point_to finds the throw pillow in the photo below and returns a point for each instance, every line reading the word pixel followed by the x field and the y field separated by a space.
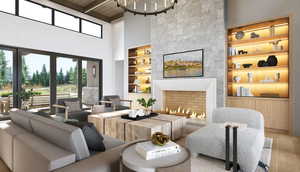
pixel 73 106
pixel 116 101
pixel 98 109
pixel 94 140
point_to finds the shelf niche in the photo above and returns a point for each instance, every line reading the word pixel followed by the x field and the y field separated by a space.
pixel 139 69
pixel 258 42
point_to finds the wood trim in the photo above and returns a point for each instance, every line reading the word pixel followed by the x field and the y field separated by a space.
pixel 93 5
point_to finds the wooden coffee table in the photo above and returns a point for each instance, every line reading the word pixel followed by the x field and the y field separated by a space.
pixel 144 129
pixel 115 127
pixel 177 124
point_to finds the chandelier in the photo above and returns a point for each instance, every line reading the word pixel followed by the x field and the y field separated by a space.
pixel 146 7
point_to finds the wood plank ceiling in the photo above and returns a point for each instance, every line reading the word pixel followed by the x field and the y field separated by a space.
pixel 106 10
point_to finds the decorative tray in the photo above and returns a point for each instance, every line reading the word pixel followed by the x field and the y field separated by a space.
pixel 139 117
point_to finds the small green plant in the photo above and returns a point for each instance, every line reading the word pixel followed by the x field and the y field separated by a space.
pixel 146 104
pixel 26 95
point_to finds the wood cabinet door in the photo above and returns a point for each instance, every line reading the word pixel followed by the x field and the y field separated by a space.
pixel 280 114
pixel 265 107
pixel 241 103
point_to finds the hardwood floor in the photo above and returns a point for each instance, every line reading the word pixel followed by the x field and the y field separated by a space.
pixel 285 154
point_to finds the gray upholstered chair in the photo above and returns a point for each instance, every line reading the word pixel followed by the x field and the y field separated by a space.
pixel 63 110
pixel 113 102
pixel 210 140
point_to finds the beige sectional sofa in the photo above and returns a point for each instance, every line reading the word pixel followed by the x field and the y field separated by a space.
pixel 37 144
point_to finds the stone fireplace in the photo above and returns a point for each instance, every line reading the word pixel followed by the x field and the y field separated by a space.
pixel 194 98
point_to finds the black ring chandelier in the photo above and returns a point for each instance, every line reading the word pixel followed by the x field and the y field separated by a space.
pixel 146 7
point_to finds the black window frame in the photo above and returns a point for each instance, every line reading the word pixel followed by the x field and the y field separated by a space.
pixel 17 9
pixel 17 83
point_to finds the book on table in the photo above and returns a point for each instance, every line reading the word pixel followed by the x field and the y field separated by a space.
pixel 148 151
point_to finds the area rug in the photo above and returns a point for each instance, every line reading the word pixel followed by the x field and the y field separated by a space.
pixel 207 164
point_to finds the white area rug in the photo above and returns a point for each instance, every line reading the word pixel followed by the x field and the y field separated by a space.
pixel 206 164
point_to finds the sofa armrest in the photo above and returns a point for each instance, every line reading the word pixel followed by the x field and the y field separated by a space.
pixel 34 154
pixel 108 161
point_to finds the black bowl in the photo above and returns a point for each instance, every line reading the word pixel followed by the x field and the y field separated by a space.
pixel 247 65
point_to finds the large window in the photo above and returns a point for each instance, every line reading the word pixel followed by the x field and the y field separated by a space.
pixel 39 12
pixel 66 21
pixel 66 77
pixel 6 75
pixel 8 6
pixel 91 28
pixel 35 11
pixel 35 77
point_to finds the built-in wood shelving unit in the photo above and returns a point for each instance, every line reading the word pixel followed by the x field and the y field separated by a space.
pixel 257 43
pixel 139 69
pixel 265 88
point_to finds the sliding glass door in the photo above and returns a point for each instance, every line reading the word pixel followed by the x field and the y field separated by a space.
pixel 66 77
pixel 7 57
pixel 35 79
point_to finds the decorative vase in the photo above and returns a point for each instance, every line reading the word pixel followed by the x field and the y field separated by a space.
pixel 25 105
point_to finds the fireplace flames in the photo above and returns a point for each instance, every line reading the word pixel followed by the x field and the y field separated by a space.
pixel 184 112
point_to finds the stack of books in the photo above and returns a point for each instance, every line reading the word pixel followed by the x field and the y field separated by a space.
pixel 149 151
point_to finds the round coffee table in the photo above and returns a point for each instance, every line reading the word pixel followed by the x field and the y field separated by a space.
pixel 132 161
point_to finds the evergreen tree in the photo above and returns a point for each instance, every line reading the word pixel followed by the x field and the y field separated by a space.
pixel 72 76
pixel 60 77
pixel 44 76
pixel 3 70
pixel 67 78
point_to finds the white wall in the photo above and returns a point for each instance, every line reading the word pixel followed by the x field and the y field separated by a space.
pixel 242 12
pixel 20 32
pixel 137 33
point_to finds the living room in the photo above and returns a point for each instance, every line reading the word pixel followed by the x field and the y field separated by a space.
pixel 100 85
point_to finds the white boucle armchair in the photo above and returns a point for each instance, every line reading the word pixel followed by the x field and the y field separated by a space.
pixel 210 140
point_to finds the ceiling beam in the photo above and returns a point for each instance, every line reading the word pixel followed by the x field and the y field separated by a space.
pixel 81 9
pixel 116 16
pixel 93 5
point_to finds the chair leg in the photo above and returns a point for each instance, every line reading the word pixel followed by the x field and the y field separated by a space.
pixel 235 156
pixel 227 148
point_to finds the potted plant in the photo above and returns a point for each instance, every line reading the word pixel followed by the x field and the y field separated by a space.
pixel 25 96
pixel 147 104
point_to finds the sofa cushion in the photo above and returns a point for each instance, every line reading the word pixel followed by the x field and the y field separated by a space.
pixel 74 106
pixel 93 139
pixel 22 119
pixel 111 142
pixel 32 153
pixel 63 135
pixel 62 102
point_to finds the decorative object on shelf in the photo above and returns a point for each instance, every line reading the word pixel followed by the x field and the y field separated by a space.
pixel 146 7
pixel 262 63
pixel 237 65
pixel 184 64
pixel 147 104
pixel 242 52
pixel 242 91
pixel 276 46
pixel 160 139
pixel 272 60
pixel 247 65
pixel 232 51
pixel 254 35
pixel 277 76
pixel 250 77
pixel 267 80
pixel 237 79
pixel 239 35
